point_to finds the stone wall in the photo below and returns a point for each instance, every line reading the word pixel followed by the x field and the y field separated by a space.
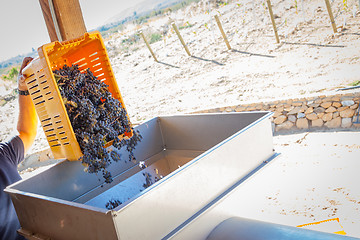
pixel 322 111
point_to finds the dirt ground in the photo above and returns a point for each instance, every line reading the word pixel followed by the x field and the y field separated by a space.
pixel 309 60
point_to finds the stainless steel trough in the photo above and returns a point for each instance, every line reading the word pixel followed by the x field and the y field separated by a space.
pixel 191 159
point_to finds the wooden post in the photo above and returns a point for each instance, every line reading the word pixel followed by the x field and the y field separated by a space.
pixel 63 18
pixel 148 45
pixel 181 39
pixel 222 31
pixel 273 21
pixel 328 6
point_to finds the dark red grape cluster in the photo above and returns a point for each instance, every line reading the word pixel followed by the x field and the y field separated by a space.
pixel 111 204
pixel 96 118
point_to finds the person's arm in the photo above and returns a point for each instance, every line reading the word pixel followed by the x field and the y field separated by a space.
pixel 27 121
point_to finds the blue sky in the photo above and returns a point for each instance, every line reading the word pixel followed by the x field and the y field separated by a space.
pixel 22 25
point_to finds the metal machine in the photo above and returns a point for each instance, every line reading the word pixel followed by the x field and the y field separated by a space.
pixel 190 165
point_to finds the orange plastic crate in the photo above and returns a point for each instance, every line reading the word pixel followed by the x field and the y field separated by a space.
pixel 87 52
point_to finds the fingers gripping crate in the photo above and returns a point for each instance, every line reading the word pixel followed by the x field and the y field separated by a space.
pixel 87 52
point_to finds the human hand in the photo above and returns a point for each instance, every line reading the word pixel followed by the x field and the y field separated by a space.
pixel 21 78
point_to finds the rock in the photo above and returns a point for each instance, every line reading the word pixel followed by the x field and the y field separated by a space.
pixel 280 119
pixel 276 114
pixel 347 103
pixel 320 115
pixel 309 110
pixel 336 104
pixel 295 110
pixel 279 105
pixel 297 104
pixel 336 114
pixel 240 108
pixel 288 108
pixel 342 108
pixel 300 115
pixel 311 116
pixel 284 126
pixel 266 107
pixel 325 104
pixel 318 101
pixel 347 113
pixel 302 123
pixel 336 99
pixel 319 110
pixel 327 117
pixel 303 108
pixel 250 108
pixel 346 122
pixel 314 105
pixel 334 123
pixel 292 118
pixel 317 123
pixel 330 110
pixel 355 106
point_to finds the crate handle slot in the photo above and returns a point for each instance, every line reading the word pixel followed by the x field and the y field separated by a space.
pixel 80 60
pixel 93 60
pixel 33 87
pixel 32 80
pixel 37 91
pixel 49 130
pixel 37 97
pixel 40 102
pixel 93 54
pixel 83 65
pixel 49 124
pixel 47 119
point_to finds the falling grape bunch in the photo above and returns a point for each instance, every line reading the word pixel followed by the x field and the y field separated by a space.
pixel 111 204
pixel 96 118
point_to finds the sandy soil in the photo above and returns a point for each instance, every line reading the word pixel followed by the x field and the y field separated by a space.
pixel 310 59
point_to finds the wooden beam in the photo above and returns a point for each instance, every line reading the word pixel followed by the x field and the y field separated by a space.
pixel 181 39
pixel 332 20
pixel 222 31
pixel 148 45
pixel 63 18
pixel 48 20
pixel 273 21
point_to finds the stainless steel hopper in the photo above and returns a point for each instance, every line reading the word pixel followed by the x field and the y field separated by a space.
pixel 191 160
